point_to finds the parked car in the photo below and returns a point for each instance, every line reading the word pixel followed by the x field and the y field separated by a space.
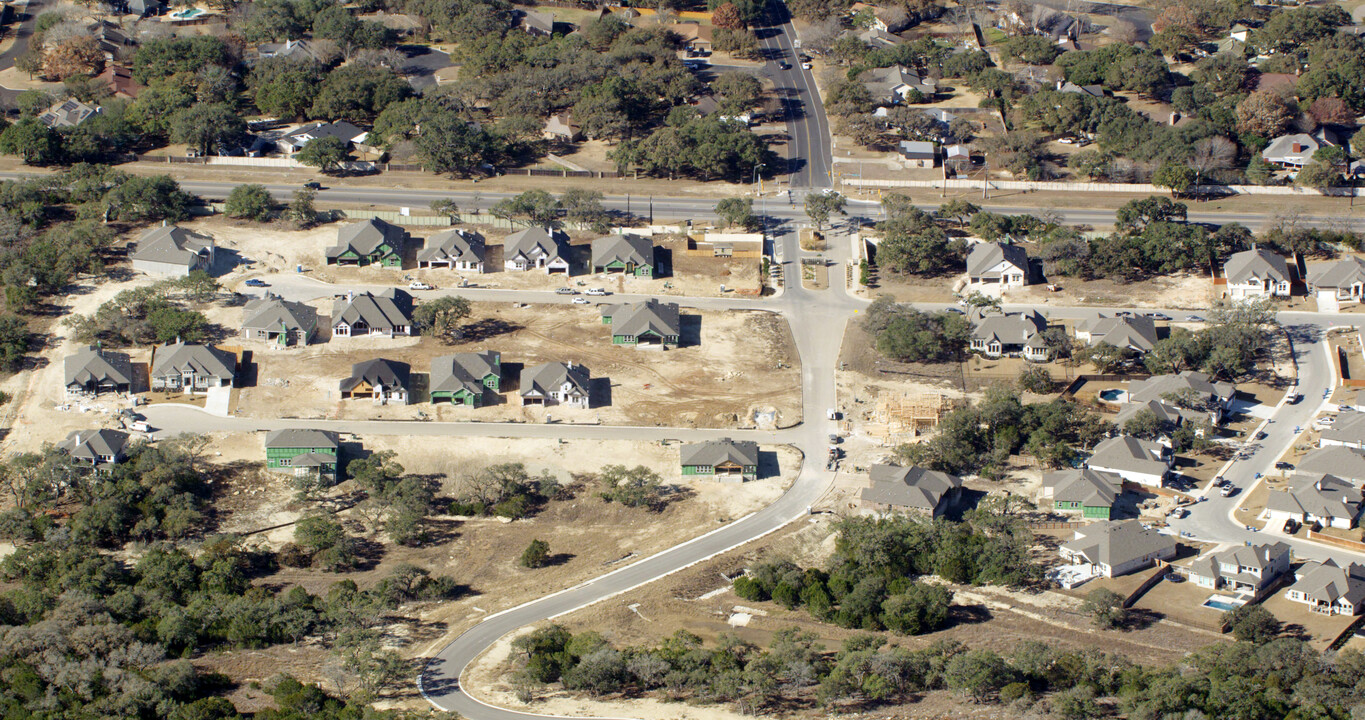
pixel 566 291
pixel 1259 436
pixel 1180 513
pixel 1158 316
pixel 1228 490
pixel 598 291
pixel 1295 398
pixel 1220 481
pixel 581 301
pixel 314 185
pixel 417 285
pixel 1284 466
pixel 257 282
pixel 1194 319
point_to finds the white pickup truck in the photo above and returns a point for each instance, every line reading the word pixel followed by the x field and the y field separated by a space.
pixel 419 285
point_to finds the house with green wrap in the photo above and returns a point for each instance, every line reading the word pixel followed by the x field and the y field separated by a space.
pixel 629 254
pixel 466 378
pixel 303 453
pixel 650 324
pixel 1091 493
pixel 725 460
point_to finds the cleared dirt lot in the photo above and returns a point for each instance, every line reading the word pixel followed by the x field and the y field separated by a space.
pixel 732 364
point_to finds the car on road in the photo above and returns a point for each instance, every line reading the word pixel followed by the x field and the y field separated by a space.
pixel 835 439
pixel 1220 481
pixel 581 301
pixel 805 66
pixel 1259 436
pixel 784 65
pixel 257 282
pixel 1158 316
pixel 1125 314
pixel 566 291
pixel 1228 490
pixel 314 185
pixel 1284 466
pixel 1193 318
pixel 418 285
pixel 955 311
pixel 1294 399
pixel 1180 513
pixel 598 291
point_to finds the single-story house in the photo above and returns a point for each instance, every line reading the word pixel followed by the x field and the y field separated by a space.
pixel 143 8
pixel 93 370
pixel 913 489
pixel 171 250
pixel 918 153
pixel 880 38
pixel 383 381
pixel 724 459
pixel 68 113
pixel 1257 273
pixel 626 253
pixel 535 247
pixel 1348 430
pixel 997 263
pixel 561 126
pixel 1140 461
pixel 1114 548
pixel 1135 333
pixel 1216 397
pixel 1295 150
pixel 369 242
pixel 1329 588
pixel 556 384
pixel 192 368
pixel 303 453
pixel 1092 493
pixel 453 249
pixel 887 19
pixel 1337 283
pixel 1343 461
pixel 696 37
pixel 998 334
pixel 892 85
pixel 538 23
pixel 299 49
pixel 1315 498
pixel 95 447
pixel 650 323
pixel 278 321
pixel 466 378
pixel 295 140
pixel 1096 91
pixel 388 313
pixel 1170 416
pixel 1243 568
pixel 120 82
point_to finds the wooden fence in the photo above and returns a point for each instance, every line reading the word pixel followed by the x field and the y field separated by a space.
pixel 1338 542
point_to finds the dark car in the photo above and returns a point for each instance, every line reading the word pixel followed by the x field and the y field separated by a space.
pixel 1284 466
pixel 315 185
pixel 255 282
pixel 784 65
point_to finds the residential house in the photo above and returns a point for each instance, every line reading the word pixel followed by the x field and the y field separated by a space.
pixel 894 85
pixel 724 459
pixel 886 19
pixel 1345 462
pixel 279 322
pixel 1090 493
pixel 1140 461
pixel 304 453
pixel 1315 498
pixel 192 368
pixel 453 249
pixel 998 264
pixel 1135 333
pixel 627 253
pixel 1244 568
pixel 1348 431
pixel 171 250
pixel 295 140
pixel 95 448
pixel 536 247
pixel 1295 150
pixel 143 8
pixel 650 323
pixel 1169 416
pixel 369 242
pixel 561 126
pixel 556 384
pixel 68 113
pixel 1257 273
pixel 93 370
pixel 466 378
pixel 1190 388
pixel 880 38
pixel 296 49
pixel 913 489
pixel 380 380
pixel 1337 283
pixel 697 38
pixel 538 23
pixel 918 153
pixel 1067 86
pixel 120 82
pixel 1117 547
pixel 957 158
pixel 998 334
pixel 1329 588
pixel 388 313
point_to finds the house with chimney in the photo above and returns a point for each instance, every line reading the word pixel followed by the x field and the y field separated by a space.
pixel 388 313
pixel 93 371
pixel 556 383
pixel 96 448
pixel 1329 588
pixel 1315 499
pixel 453 249
pixel 192 368
pixel 996 333
pixel 536 247
pixel 1245 569
pixel 1256 274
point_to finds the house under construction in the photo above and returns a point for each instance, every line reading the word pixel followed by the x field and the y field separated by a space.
pixel 898 417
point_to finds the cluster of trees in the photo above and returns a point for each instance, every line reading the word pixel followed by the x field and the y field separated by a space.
pixel 914 241
pixel 903 333
pixel 691 145
pixel 155 313
pixel 981 438
pixel 538 207
pixel 1227 347
pixel 505 490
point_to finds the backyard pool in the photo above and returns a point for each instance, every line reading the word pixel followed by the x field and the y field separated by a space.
pixel 1112 394
pixel 1224 603
pixel 187 14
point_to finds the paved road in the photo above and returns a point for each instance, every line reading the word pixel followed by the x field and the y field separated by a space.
pixel 810 144
pixel 27 17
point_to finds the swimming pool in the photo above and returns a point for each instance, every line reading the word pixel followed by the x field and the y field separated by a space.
pixel 1224 603
pixel 187 13
pixel 1112 394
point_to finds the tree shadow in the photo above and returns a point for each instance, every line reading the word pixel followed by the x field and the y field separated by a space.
pixel 960 615
pixel 1140 619
pixel 558 559
pixel 486 328
pixel 368 552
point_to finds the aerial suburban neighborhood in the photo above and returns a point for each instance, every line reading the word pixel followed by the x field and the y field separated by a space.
pixel 790 358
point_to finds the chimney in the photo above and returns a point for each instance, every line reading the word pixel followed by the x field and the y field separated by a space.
pixel 78 438
pixel 1175 118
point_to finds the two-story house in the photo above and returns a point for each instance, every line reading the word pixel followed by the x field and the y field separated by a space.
pixel 556 384
pixel 304 453
pixel 1244 568
pixel 998 264
pixel 999 334
pixel 382 381
pixel 466 378
pixel 536 247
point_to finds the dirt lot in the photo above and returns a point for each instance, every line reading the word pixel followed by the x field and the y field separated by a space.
pixel 699 600
pixel 587 536
pixel 732 364
pixel 1185 292
pixel 275 250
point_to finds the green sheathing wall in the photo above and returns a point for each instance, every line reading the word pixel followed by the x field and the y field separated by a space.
pixel 1095 512
pixel 273 456
pixel 494 382
pixel 750 471
pixel 644 271
pixel 458 397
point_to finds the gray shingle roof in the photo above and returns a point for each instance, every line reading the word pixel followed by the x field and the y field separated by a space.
pixel 1257 263
pixel 342 130
pixel 1318 494
pixel 378 371
pixel 201 360
pixel 912 487
pixel 1137 333
pixel 450 373
pixel 1341 274
pixel 985 256
pixel 1344 462
pixel 524 243
pixel 639 318
pixel 302 438
pixel 629 248
pixel 386 310
pixel 274 314
pixel 1327 582
pixel 1260 556
pixel 1165 413
pixel 1117 542
pixel 540 380
pixel 455 245
pixel 1009 329
pixel 91 445
pixel 715 452
pixel 169 244
pixel 1091 488
pixel 366 236
pixel 1153 388
pixel 1126 453
pixel 883 82
pixel 91 365
pixel 1348 428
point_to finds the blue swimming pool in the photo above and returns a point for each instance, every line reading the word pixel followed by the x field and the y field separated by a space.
pixel 1112 394
pixel 1218 602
